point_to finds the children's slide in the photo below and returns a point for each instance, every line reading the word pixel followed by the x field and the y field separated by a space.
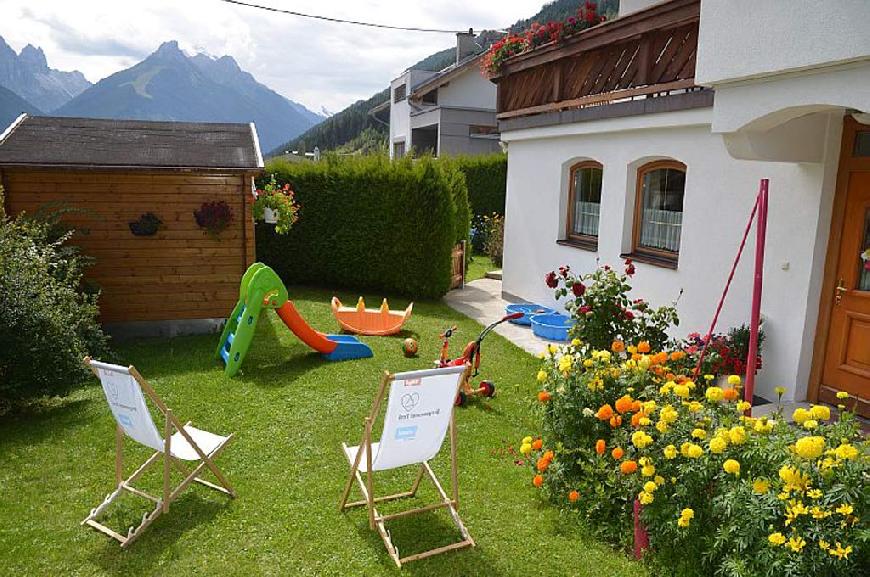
pixel 262 288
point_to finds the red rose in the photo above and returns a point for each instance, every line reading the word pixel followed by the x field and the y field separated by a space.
pixel 585 309
pixel 552 282
pixel 629 315
pixel 578 288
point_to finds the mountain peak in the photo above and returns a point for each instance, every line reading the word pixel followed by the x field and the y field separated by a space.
pixel 33 57
pixel 170 49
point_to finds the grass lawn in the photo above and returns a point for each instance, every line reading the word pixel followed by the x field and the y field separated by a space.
pixel 478 267
pixel 290 410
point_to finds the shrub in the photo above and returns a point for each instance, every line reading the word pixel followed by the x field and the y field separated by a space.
pixel 493 245
pixel 486 177
pixel 370 224
pixel 722 493
pixel 47 323
pixel 604 313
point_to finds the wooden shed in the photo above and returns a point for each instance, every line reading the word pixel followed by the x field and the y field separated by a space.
pixel 115 171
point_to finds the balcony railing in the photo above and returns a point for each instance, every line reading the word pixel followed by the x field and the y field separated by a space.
pixel 649 52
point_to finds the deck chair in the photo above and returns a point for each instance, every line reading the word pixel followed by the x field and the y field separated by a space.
pixel 419 414
pixel 123 387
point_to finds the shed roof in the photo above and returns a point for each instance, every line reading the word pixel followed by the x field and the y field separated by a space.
pixel 52 141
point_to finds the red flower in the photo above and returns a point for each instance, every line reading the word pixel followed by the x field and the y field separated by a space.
pixel 551 279
pixel 578 288
pixel 585 309
pixel 629 315
pixel 629 267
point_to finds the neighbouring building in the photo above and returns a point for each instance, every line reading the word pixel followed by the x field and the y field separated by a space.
pixel 648 140
pixel 443 113
pixel 113 173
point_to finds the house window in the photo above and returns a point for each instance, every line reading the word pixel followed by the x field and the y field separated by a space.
pixel 584 202
pixel 430 97
pixel 482 130
pixel 659 211
pixel 399 93
pixel 399 149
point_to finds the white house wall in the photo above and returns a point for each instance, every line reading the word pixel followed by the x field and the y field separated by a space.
pixel 720 191
pixel 740 39
pixel 469 90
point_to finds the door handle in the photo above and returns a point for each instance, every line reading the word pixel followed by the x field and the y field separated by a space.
pixel 838 292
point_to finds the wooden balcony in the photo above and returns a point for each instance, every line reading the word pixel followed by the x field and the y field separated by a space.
pixel 650 52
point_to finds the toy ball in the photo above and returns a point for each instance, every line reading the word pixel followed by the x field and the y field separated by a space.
pixel 409 347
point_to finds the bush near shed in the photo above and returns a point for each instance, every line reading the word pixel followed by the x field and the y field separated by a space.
pixel 370 224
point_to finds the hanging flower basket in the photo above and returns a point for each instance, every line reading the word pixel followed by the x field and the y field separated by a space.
pixel 147 225
pixel 276 205
pixel 214 217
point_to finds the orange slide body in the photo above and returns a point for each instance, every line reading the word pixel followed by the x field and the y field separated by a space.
pixel 294 321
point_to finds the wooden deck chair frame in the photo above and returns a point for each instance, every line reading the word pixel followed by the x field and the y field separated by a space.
pixel 169 493
pixel 378 521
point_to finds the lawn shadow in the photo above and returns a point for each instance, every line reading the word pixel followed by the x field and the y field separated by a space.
pixel 429 529
pixel 37 422
pixel 187 513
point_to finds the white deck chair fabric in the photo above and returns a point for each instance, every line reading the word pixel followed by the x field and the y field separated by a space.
pixel 128 406
pixel 416 421
pixel 127 403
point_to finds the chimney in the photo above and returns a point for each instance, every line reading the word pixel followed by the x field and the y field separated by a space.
pixel 465 45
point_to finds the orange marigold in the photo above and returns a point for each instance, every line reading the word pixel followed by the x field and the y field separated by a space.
pixel 617 346
pixel 537 444
pixel 643 347
pixel 624 404
pixel 660 358
pixel 730 394
pixel 615 421
pixel 678 355
pixel 538 481
pixel 617 453
pixel 600 446
pixel 573 496
pixel 548 455
pixel 604 413
pixel 544 396
pixel 635 418
pixel 627 467
pixel 542 464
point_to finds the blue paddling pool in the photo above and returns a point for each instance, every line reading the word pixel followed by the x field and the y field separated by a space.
pixel 528 309
pixel 552 326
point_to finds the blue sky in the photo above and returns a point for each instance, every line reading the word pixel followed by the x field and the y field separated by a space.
pixel 312 62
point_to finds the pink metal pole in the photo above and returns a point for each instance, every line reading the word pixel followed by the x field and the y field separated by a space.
pixel 761 236
pixel 641 537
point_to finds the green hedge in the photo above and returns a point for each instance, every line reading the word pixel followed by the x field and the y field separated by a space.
pixel 370 224
pixel 486 176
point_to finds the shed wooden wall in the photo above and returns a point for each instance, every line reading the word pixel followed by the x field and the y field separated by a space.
pixel 179 273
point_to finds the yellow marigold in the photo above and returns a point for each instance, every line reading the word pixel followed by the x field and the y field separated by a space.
pixel 670 452
pixel 845 509
pixel 714 394
pixel 669 414
pixel 780 391
pixel 840 552
pixel 565 362
pixel 734 380
pixel 718 445
pixel 846 451
pixel 694 406
pixel 763 425
pixel 645 498
pixel 760 486
pixel 553 349
pixel 659 480
pixel 576 342
pixel 796 543
pixel 824 545
pixel 588 363
pixel 542 376
pixel 794 480
pixel 650 487
pixel 527 439
pixel 682 391
pixel 526 448
pixel 811 424
pixel 820 412
pixel 737 435
pixel 800 415
pixel 640 439
pixel 814 493
pixel 687 513
pixel 661 426
pixel 776 539
pixel 810 447
pixel 699 434
pixel 648 470
pixel 842 395
pixel 743 406
pixel 731 467
pixel 819 513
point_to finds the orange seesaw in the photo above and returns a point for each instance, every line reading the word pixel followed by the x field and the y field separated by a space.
pixel 374 322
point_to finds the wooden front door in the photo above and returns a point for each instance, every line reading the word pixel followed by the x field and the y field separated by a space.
pixel 847 353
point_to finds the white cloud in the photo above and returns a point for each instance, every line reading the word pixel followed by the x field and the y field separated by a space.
pixel 313 62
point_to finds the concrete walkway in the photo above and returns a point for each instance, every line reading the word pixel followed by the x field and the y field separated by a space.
pixel 481 300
